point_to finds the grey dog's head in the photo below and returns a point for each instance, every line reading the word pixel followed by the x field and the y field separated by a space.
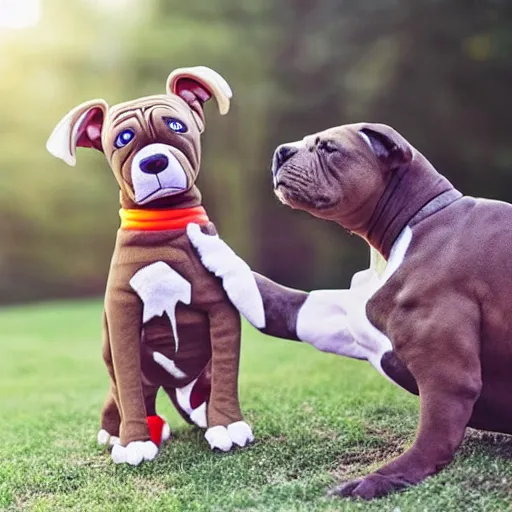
pixel 340 173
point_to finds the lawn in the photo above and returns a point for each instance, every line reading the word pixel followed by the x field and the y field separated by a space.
pixel 318 419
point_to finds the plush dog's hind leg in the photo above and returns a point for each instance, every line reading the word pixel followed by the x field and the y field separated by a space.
pixel 191 401
pixel 110 416
pixel 110 421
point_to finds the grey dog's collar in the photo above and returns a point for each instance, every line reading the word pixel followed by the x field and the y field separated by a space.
pixel 438 203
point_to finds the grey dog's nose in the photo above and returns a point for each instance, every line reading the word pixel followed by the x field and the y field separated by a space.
pixel 154 164
pixel 281 155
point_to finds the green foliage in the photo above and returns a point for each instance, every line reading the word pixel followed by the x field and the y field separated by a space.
pixel 318 419
pixel 437 70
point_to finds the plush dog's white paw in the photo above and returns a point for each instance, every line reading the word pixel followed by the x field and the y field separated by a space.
pixel 223 438
pixel 198 416
pixel 240 433
pixel 134 453
pixel 105 439
pixel 166 432
pixel 218 438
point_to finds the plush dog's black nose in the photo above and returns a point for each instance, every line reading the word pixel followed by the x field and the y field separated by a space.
pixel 154 164
pixel 281 155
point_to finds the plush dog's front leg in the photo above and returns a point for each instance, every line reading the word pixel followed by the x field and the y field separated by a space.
pixel 225 423
pixel 124 314
pixel 108 434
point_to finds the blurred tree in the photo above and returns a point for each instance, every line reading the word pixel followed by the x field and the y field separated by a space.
pixel 437 70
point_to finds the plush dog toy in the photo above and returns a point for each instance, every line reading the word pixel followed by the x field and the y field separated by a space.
pixel 168 322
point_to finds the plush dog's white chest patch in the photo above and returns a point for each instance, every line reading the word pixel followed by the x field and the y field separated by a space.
pixel 160 288
pixel 336 320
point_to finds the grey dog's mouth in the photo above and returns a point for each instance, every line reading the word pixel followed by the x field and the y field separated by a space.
pixel 289 195
pixel 278 184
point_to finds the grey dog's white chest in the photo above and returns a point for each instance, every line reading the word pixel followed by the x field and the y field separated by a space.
pixel 336 321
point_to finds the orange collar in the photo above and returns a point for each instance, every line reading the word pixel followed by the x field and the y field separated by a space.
pixel 162 220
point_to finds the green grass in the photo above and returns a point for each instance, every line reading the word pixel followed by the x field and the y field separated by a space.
pixel 318 419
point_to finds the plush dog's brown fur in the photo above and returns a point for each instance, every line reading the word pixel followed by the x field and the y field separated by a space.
pixel 138 334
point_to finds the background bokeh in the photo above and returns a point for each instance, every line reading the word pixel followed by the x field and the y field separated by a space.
pixel 440 71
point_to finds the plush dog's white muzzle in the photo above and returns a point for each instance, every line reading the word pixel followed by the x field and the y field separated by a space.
pixel 156 173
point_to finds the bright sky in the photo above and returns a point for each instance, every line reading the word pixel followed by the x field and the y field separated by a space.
pixel 113 5
pixel 17 14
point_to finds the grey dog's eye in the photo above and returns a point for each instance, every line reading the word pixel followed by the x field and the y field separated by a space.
pixel 328 146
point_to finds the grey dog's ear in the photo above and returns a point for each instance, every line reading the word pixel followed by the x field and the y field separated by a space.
pixel 387 144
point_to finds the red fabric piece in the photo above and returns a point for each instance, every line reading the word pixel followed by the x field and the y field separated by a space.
pixel 156 425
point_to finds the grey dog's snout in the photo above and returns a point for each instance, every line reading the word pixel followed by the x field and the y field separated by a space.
pixel 154 164
pixel 281 155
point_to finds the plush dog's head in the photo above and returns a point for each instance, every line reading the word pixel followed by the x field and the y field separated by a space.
pixel 153 143
pixel 340 173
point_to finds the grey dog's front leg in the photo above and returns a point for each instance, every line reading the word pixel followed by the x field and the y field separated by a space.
pixel 319 318
pixel 281 306
pixel 270 307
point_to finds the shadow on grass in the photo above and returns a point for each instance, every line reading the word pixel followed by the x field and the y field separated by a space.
pixel 488 443
pixel 382 445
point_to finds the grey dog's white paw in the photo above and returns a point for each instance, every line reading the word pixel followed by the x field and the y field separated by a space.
pixel 224 438
pixel 105 439
pixel 237 277
pixel 134 453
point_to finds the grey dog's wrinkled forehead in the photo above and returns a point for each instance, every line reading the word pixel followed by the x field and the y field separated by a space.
pixel 349 132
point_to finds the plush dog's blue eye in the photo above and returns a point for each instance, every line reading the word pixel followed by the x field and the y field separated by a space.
pixel 124 138
pixel 176 125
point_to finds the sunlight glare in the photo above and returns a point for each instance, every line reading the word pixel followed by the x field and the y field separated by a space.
pixel 17 14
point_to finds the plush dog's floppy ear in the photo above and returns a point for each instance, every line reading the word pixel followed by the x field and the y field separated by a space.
pixel 387 144
pixel 197 85
pixel 80 127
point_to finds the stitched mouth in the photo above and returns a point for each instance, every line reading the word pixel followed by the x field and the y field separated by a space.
pixel 171 180
pixel 159 193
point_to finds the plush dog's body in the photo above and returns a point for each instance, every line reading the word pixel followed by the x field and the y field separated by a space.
pixel 148 273
pixel 168 323
pixel 434 319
